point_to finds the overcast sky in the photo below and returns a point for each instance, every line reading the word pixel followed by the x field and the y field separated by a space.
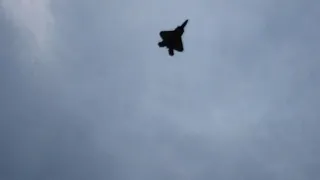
pixel 86 93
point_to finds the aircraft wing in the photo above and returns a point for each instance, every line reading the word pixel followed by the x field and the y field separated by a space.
pixel 175 41
pixel 166 34
pixel 178 45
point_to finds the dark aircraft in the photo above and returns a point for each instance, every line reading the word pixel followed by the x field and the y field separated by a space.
pixel 173 39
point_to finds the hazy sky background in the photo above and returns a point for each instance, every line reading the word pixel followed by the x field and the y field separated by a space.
pixel 85 92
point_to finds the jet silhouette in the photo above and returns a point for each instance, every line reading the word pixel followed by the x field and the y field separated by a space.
pixel 173 39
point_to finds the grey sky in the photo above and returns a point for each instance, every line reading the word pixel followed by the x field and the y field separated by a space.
pixel 85 92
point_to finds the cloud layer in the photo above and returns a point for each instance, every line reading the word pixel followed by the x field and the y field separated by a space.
pixel 240 103
pixel 36 18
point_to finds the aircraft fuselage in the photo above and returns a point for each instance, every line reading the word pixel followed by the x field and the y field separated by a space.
pixel 173 39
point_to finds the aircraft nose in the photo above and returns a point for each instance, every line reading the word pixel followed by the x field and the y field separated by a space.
pixel 185 23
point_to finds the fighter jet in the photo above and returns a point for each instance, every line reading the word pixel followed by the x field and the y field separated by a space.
pixel 173 39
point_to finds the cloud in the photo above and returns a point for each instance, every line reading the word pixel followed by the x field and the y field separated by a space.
pixel 35 19
pixel 240 103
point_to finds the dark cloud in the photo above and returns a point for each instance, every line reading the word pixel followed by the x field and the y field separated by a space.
pixel 39 138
